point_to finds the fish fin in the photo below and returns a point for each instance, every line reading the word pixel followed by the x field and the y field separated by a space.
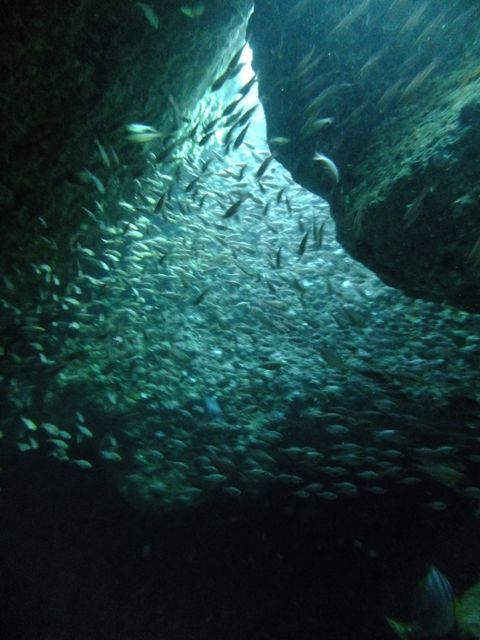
pixel 402 629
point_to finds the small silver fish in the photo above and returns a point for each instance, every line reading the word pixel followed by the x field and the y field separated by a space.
pixel 201 296
pixel 303 245
pixel 149 14
pixel 264 166
pixel 212 407
pixel 232 210
pixel 102 152
pixel 193 10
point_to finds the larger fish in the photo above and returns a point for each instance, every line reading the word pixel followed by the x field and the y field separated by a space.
pixel 433 610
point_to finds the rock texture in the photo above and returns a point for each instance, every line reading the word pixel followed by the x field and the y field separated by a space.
pixel 388 92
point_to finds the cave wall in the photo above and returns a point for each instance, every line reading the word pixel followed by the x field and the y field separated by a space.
pixel 385 93
pixel 73 75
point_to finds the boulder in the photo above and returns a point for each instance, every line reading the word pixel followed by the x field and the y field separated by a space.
pixel 375 106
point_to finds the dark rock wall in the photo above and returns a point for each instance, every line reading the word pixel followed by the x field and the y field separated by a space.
pixel 388 92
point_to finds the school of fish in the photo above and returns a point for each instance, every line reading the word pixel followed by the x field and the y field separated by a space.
pixel 216 339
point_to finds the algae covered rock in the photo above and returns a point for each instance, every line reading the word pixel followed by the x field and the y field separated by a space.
pixel 387 92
